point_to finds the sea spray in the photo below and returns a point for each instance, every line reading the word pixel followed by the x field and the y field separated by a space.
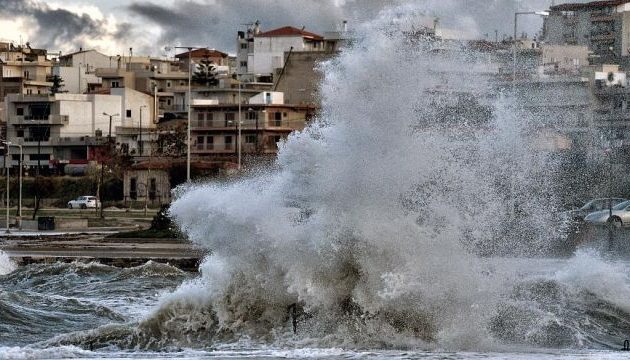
pixel 364 220
pixel 7 265
pixel 374 220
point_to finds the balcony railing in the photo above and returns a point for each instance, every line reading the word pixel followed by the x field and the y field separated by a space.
pixel 245 124
pixel 217 148
pixel 42 120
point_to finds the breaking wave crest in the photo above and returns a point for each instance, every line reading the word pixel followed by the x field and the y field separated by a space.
pixel 369 232
pixel 6 264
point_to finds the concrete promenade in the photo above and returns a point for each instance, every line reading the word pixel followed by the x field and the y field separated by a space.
pixel 28 247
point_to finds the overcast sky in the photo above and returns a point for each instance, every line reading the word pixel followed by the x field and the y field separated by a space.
pixel 148 26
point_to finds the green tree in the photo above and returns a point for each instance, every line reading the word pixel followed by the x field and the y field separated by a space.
pixel 57 84
pixel 205 73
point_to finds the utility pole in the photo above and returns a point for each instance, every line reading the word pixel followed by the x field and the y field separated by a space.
pixel 190 49
pixel 109 151
pixel 8 152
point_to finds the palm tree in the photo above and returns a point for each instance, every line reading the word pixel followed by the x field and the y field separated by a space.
pixel 205 74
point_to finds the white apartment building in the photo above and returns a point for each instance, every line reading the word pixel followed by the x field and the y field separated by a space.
pixel 64 132
pixel 261 53
pixel 78 69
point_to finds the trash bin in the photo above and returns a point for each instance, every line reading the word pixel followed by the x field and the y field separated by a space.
pixel 46 223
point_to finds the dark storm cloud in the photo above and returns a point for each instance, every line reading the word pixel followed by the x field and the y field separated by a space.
pixel 56 27
pixel 214 23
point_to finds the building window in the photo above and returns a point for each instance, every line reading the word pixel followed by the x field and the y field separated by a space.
pixel 200 140
pixel 277 119
pixel 200 117
pixel 244 46
pixel 229 119
pixel 40 157
pixel 251 115
pixel 115 84
pixel 210 142
pixel 19 111
pixel 228 142
pixel 250 139
pixel 152 189
pixel 133 188
pixel 243 63
pixel 168 84
pixel 128 113
pixel 20 133
pixel 275 140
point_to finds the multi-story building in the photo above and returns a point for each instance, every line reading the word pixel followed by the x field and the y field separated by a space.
pixel 62 133
pixel 24 70
pixel 260 54
pixel 602 26
pixel 78 69
pixel 265 121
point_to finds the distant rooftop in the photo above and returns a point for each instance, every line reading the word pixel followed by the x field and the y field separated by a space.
pixel 290 31
pixel 202 53
pixel 589 5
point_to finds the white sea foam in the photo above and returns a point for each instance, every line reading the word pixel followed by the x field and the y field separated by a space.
pixel 372 217
pixel 7 265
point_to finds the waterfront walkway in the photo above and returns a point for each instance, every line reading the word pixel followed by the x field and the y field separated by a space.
pixel 47 247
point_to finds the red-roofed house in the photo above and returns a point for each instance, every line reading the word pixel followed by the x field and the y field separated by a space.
pixel 263 52
pixel 217 57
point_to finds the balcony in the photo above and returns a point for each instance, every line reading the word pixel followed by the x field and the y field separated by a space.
pixel 214 148
pixel 201 125
pixel 26 120
pixel 605 36
pixel 601 17
pixel 110 73
pixel 610 90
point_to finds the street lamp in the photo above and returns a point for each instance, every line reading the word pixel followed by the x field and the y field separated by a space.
pixel 240 120
pixel 8 156
pixel 190 49
pixel 140 147
pixel 19 216
pixel 516 14
pixel 109 145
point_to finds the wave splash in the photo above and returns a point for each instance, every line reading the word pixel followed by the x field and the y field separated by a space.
pixel 368 233
pixel 7 265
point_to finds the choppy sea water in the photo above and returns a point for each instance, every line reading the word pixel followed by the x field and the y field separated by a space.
pixel 78 310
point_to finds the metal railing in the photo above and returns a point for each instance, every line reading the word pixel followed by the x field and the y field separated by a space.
pixel 36 120
pixel 246 124
pixel 215 147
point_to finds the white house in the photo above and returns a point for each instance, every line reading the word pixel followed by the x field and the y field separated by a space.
pixel 269 48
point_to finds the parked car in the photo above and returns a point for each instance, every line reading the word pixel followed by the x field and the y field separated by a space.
pixel 620 215
pixel 592 206
pixel 84 202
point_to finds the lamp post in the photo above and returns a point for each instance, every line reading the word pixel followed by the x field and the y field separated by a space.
pixel 109 148
pixel 140 145
pixel 8 157
pixel 240 120
pixel 190 49
pixel 19 215
pixel 516 14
